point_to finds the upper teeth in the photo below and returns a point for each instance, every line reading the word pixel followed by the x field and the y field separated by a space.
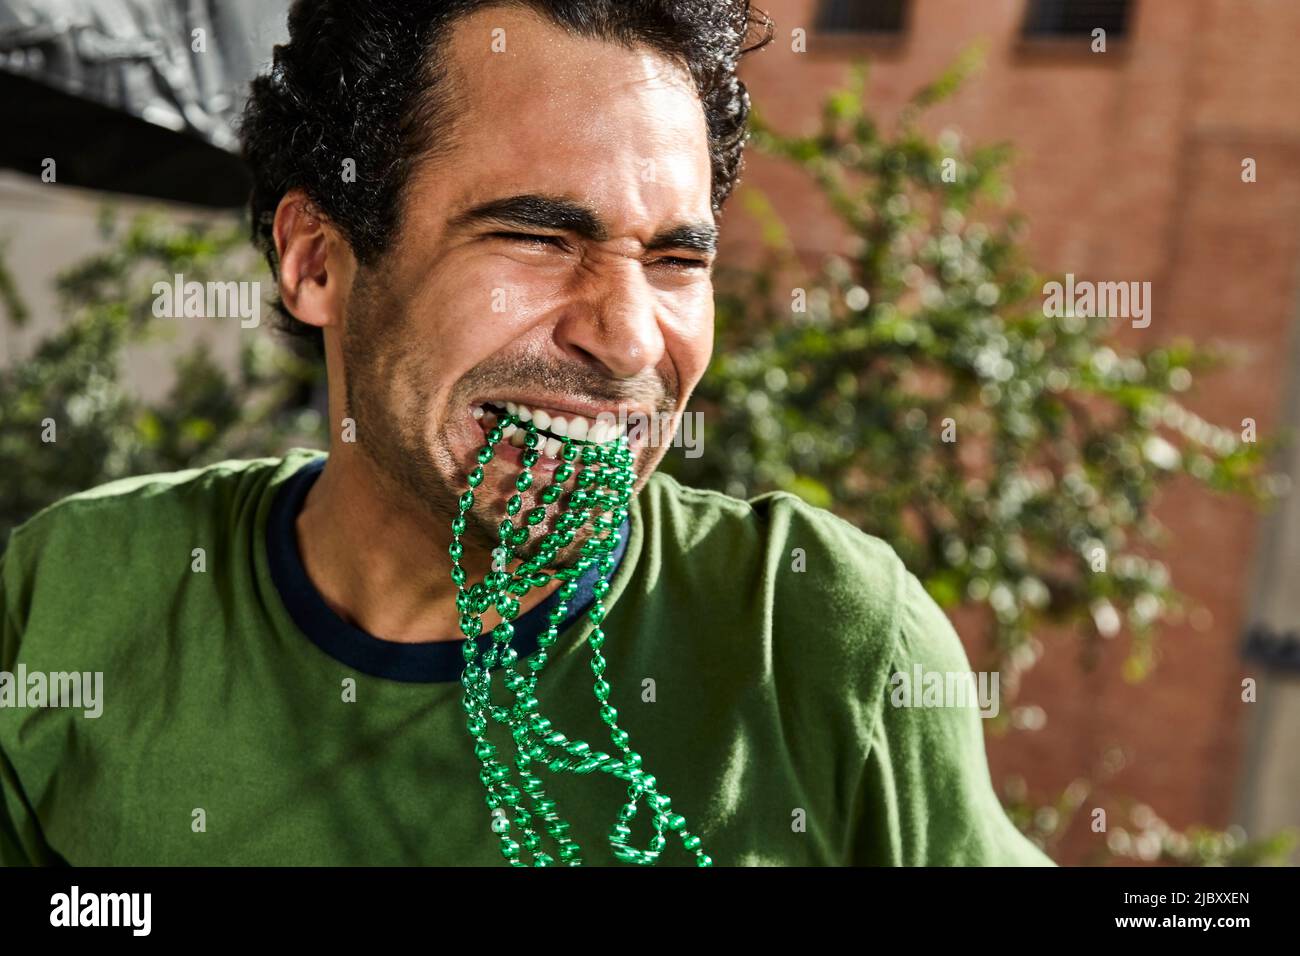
pixel 572 426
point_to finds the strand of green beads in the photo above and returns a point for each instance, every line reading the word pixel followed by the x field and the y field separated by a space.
pixel 603 545
pixel 471 605
pixel 524 714
pixel 644 784
pixel 568 849
pixel 613 470
pixel 518 684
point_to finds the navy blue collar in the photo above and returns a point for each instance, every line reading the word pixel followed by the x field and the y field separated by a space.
pixel 412 663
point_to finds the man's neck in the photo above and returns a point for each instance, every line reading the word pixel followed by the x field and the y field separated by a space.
pixel 380 562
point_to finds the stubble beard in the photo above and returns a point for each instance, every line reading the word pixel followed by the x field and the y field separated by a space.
pixel 381 371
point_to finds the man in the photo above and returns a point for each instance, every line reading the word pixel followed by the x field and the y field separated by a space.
pixel 483 210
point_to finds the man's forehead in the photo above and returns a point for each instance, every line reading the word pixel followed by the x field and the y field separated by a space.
pixel 515 46
pixel 551 110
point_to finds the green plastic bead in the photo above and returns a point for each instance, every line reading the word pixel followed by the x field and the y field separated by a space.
pixel 596 507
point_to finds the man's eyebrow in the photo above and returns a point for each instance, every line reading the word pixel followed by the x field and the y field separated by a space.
pixel 532 211
pixel 535 212
pixel 702 237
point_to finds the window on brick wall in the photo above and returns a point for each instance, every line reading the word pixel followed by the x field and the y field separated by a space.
pixel 1046 18
pixel 861 16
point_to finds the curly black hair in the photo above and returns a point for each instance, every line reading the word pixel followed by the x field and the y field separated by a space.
pixel 366 81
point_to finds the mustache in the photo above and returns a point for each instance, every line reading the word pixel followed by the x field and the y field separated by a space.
pixel 569 378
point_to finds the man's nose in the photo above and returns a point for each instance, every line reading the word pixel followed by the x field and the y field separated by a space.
pixel 615 325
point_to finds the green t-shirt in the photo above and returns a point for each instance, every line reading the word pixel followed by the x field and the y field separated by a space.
pixel 241 722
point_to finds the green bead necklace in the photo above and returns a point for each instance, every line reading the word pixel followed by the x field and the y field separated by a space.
pixel 603 488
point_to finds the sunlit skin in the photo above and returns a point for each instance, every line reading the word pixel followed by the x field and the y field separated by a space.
pixel 604 274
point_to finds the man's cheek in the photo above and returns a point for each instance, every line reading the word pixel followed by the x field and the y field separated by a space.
pixel 690 334
pixel 502 292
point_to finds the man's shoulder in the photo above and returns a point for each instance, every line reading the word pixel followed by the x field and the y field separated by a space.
pixel 826 580
pixel 143 504
pixel 133 525
pixel 809 547
pixel 820 574
pixel 779 511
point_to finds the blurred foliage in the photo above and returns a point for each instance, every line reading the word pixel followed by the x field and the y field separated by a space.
pixel 914 385
pixel 75 378
pixel 834 379
pixel 14 307
pixel 1133 832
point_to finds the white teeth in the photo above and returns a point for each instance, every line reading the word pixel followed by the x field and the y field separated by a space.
pixel 517 438
pixel 509 430
pixel 578 428
pixel 553 446
pixel 478 411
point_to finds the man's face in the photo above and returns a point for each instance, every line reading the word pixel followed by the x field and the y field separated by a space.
pixel 558 257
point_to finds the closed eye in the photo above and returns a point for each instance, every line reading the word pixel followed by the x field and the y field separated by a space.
pixel 557 242
pixel 680 262
pixel 530 238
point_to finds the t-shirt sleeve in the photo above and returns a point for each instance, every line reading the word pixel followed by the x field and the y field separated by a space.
pixel 927 793
pixel 20 840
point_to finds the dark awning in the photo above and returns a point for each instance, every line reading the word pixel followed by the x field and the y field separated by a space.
pixel 133 96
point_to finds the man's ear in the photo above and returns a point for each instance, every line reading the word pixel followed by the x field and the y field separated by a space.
pixel 316 263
